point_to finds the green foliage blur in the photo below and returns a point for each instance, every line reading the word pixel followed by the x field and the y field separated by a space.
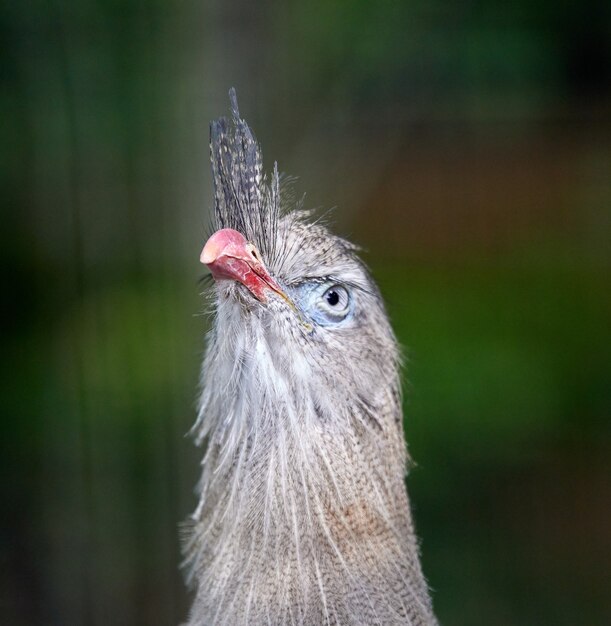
pixel 467 148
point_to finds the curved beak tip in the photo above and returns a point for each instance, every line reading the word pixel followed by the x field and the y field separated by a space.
pixel 223 241
pixel 209 253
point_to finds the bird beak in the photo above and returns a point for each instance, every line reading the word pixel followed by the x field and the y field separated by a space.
pixel 230 257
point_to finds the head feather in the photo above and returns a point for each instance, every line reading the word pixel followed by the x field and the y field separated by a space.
pixel 243 200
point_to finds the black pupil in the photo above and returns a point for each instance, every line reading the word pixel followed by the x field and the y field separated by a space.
pixel 332 297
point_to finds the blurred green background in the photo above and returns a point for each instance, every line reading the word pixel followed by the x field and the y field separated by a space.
pixel 467 148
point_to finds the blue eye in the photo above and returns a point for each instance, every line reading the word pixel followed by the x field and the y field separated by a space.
pixel 326 304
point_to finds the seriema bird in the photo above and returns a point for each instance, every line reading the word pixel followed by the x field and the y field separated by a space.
pixel 303 515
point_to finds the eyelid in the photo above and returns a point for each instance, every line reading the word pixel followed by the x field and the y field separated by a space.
pixel 315 280
pixel 331 280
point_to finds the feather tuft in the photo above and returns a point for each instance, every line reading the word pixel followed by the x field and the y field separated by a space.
pixel 244 200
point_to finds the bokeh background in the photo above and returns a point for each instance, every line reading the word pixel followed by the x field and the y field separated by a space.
pixel 467 148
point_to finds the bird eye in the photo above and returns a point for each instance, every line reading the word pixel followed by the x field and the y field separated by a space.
pixel 332 305
pixel 336 298
pixel 324 303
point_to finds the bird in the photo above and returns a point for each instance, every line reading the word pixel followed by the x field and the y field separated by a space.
pixel 303 515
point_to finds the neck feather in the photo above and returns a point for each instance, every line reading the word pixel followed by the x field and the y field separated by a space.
pixel 303 514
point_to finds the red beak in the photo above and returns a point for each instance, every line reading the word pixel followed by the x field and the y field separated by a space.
pixel 230 257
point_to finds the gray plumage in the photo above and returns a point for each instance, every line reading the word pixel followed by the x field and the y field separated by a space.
pixel 303 516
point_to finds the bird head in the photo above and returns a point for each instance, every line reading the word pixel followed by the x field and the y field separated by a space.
pixel 299 320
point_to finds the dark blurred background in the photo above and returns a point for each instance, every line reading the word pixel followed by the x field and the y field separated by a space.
pixel 467 148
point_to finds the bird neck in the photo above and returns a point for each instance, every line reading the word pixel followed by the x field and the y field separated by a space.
pixel 302 514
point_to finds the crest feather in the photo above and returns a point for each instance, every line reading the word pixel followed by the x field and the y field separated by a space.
pixel 243 200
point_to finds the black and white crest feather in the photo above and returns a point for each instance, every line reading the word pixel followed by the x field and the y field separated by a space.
pixel 243 199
